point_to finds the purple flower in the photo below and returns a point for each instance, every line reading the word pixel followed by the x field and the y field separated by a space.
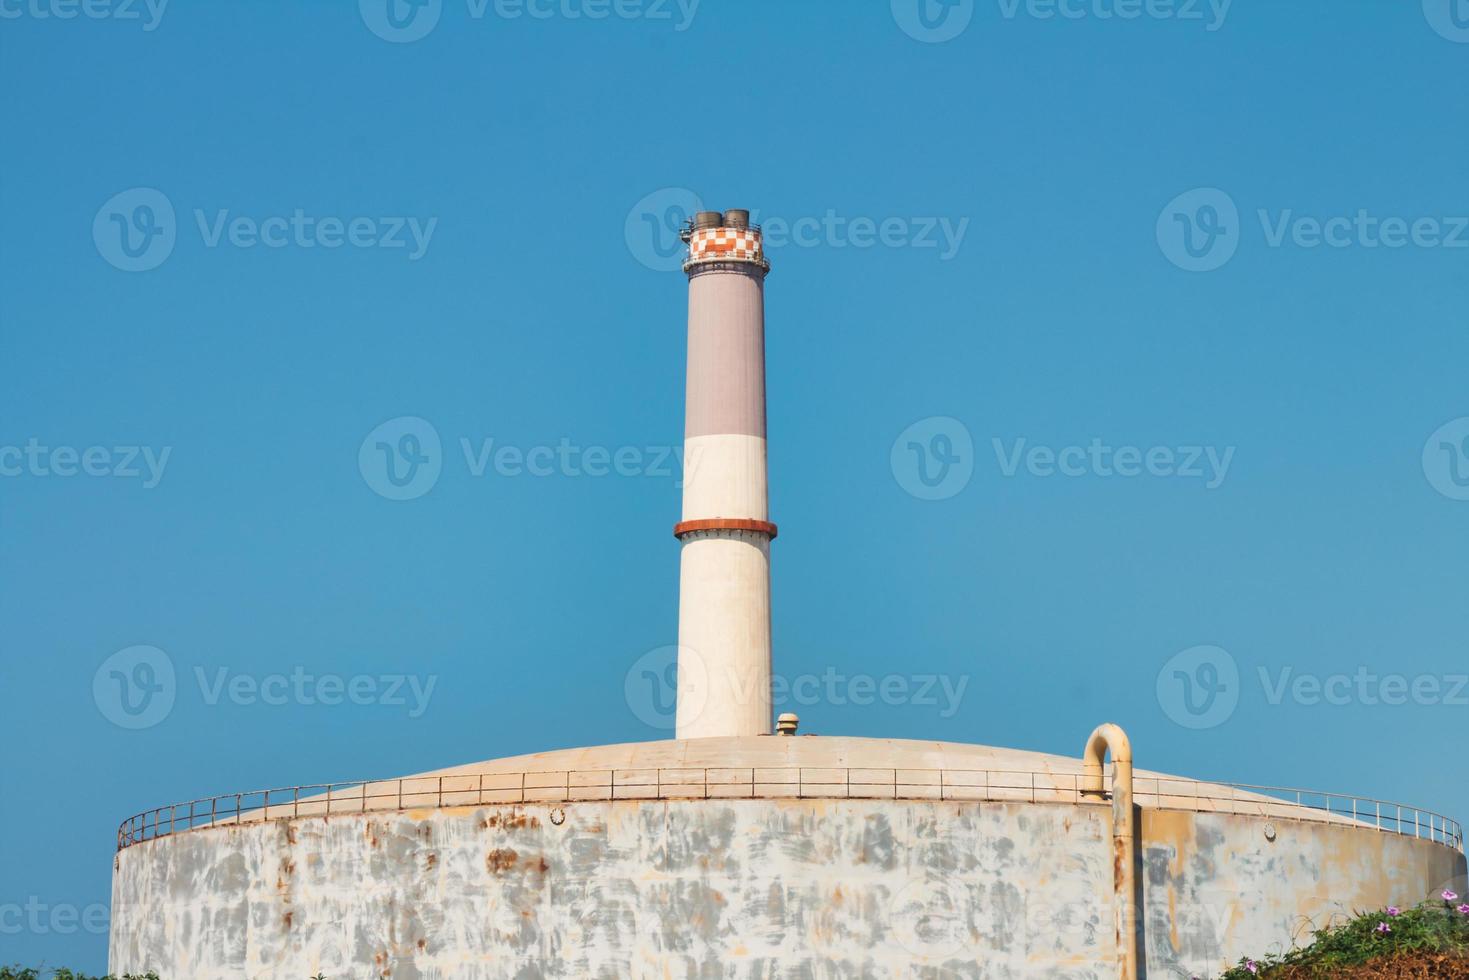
pixel 1449 896
pixel 1383 927
pixel 1252 966
pixel 1394 910
pixel 1464 909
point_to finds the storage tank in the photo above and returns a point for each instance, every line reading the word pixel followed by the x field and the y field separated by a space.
pixel 733 852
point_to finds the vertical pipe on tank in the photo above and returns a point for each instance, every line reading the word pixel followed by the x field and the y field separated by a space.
pixel 1124 834
pixel 724 577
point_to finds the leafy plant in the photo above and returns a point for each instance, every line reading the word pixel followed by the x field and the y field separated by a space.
pixel 1432 929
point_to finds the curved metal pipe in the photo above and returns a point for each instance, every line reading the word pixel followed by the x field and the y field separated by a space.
pixel 1111 738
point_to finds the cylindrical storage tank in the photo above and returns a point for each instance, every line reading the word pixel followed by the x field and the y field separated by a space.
pixel 748 858
pixel 737 218
pixel 705 220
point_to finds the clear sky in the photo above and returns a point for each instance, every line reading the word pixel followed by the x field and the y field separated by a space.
pixel 1016 257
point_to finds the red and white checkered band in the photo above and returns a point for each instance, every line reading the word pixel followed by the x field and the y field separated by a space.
pixel 714 244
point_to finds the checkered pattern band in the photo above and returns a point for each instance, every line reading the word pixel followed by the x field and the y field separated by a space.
pixel 725 244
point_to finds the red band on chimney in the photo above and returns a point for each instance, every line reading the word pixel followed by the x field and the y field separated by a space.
pixel 726 524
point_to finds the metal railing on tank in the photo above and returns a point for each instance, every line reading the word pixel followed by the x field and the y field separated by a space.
pixel 968 785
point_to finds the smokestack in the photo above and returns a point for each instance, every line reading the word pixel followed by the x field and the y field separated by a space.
pixel 724 576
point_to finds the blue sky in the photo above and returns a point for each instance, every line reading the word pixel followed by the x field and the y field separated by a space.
pixel 1219 247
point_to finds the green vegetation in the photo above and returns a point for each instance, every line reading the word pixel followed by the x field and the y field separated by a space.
pixel 1431 940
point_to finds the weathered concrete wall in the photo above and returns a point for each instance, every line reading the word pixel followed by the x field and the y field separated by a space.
pixel 747 889
pixel 1217 888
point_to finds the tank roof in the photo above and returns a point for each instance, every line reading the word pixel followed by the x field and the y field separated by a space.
pixel 779 767
pixel 777 751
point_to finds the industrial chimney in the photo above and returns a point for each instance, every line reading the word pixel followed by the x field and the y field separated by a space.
pixel 724 580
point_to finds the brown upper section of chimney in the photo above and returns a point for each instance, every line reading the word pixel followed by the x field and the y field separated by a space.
pixel 726 381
